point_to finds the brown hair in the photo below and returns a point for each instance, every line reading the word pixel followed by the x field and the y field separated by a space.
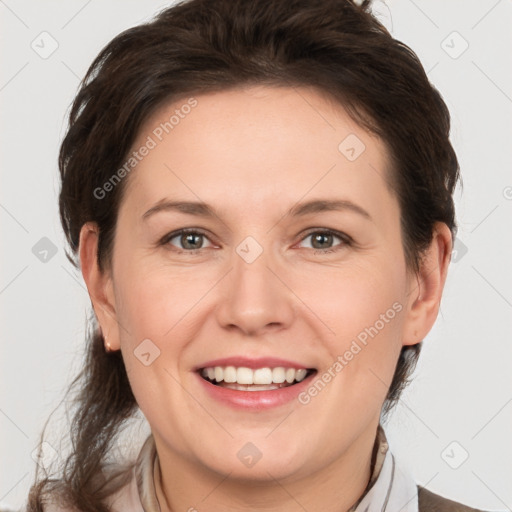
pixel 201 46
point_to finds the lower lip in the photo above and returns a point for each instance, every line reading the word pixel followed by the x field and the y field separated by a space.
pixel 255 400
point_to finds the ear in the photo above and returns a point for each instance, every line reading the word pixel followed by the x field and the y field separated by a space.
pixel 99 285
pixel 426 286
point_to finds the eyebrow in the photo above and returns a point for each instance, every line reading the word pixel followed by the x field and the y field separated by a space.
pixel 201 209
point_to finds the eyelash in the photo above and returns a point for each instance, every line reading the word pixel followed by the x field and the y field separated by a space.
pixel 346 240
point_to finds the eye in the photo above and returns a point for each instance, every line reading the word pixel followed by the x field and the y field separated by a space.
pixel 188 240
pixel 322 239
pixel 192 240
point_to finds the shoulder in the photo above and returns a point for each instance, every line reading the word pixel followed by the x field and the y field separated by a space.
pixel 430 502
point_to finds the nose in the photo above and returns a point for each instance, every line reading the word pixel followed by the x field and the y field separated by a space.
pixel 255 298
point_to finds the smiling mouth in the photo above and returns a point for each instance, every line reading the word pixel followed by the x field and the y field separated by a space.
pixel 259 379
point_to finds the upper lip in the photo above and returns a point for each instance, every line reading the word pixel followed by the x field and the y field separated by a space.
pixel 247 362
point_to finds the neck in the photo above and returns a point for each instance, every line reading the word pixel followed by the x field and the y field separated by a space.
pixel 335 487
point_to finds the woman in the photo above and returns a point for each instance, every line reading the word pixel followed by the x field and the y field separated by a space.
pixel 259 197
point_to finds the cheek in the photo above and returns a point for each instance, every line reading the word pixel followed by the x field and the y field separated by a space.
pixel 354 296
pixel 156 300
pixel 363 308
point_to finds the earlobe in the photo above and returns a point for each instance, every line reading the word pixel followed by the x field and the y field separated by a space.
pixel 99 285
pixel 426 289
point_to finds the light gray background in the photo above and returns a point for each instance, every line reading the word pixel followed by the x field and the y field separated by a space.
pixel 462 390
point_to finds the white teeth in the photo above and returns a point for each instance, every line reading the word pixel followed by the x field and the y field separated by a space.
pixel 300 374
pixel 278 375
pixel 230 374
pixel 260 376
pixel 243 375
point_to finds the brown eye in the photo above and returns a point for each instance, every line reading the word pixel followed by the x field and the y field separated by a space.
pixel 324 239
pixel 191 240
pixel 186 240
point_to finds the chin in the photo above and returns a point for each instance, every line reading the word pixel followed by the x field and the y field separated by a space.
pixel 258 461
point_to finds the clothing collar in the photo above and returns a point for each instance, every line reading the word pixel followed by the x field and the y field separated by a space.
pixel 390 488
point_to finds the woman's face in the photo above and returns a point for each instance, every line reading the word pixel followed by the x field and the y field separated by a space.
pixel 270 277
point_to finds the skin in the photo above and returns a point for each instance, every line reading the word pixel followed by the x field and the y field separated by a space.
pixel 252 154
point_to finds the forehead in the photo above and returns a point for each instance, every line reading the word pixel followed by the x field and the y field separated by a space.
pixel 256 144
